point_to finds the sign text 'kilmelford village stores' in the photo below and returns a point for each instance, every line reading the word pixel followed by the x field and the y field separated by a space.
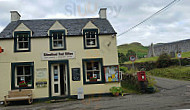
pixel 57 55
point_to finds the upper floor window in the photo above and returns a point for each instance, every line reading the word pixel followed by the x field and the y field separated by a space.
pixel 57 40
pixel 91 40
pixel 22 41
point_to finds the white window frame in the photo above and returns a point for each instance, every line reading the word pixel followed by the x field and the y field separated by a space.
pixel 86 71
pixel 16 75
pixel 57 40
pixel 95 38
pixel 18 35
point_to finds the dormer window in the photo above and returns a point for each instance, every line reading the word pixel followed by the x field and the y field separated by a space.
pixel 90 37
pixel 57 40
pixel 22 41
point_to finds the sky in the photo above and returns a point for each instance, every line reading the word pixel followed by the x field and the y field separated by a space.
pixel 170 25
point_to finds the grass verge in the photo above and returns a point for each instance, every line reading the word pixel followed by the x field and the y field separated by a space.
pixel 174 72
pixel 129 88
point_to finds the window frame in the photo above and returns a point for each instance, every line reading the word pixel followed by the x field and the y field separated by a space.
pixel 16 46
pixel 96 39
pixel 52 48
pixel 102 76
pixel 14 72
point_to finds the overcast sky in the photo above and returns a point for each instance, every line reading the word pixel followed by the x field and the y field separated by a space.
pixel 171 25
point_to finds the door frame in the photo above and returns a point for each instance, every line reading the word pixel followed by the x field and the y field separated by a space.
pixel 66 62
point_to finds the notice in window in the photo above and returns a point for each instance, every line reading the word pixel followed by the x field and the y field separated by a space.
pixel 111 73
pixel 41 77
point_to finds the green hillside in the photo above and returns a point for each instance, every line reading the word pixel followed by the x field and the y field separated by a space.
pixel 184 55
pixel 139 49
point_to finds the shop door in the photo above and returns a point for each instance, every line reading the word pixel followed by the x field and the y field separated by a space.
pixel 58 82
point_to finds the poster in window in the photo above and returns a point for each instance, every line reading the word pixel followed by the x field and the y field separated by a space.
pixel 111 73
pixel 41 77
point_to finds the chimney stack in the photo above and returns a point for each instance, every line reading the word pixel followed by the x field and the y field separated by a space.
pixel 15 16
pixel 102 13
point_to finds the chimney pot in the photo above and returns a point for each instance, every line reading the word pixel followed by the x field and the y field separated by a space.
pixel 102 13
pixel 15 16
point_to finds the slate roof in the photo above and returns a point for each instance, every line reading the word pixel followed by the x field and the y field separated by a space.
pixel 40 27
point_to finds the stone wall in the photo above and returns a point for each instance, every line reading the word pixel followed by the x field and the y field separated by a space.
pixel 169 48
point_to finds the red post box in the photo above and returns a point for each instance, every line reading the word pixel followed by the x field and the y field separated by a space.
pixel 141 76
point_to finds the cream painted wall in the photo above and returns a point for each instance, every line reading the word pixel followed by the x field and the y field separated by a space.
pixel 39 45
pixel 22 27
pixel 90 25
pixel 57 26
pixel 107 51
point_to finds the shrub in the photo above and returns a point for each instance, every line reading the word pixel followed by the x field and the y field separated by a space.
pixel 130 82
pixel 151 81
pixel 123 69
pixel 163 61
pixel 115 90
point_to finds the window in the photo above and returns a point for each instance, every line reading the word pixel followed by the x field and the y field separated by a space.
pixel 22 75
pixel 22 41
pixel 90 37
pixel 57 40
pixel 93 71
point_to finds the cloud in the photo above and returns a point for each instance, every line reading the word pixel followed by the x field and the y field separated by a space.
pixel 170 25
pixel 1 28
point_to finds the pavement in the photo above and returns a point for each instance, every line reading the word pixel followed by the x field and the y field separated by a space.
pixel 173 95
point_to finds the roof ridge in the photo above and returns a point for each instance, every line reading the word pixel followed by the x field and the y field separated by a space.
pixel 40 27
pixel 56 19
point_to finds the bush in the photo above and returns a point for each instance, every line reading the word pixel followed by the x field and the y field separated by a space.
pixel 123 69
pixel 115 90
pixel 163 61
pixel 130 83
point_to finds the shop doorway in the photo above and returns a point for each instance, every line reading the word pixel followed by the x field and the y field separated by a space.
pixel 58 79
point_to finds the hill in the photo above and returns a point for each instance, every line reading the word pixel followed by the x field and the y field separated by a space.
pixel 139 49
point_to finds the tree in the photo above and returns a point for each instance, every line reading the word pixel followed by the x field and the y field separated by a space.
pixel 122 57
pixel 163 61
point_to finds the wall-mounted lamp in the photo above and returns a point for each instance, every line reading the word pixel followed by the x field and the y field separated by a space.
pixel 113 35
pixel 109 44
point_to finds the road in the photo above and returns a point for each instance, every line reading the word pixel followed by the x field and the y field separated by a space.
pixel 172 95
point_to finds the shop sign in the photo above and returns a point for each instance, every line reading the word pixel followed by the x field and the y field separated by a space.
pixel 58 55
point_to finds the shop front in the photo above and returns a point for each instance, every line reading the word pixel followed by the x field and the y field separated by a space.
pixel 59 58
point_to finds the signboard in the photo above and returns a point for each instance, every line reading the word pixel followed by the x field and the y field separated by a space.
pixel 80 93
pixel 57 55
pixel 76 74
pixel 178 55
pixel 132 58
pixel 111 73
pixel 41 77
